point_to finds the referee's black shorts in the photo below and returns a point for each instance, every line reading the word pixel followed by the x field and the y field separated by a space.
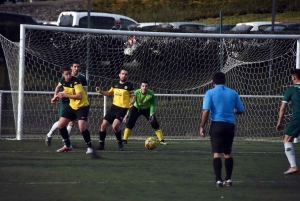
pixel 221 137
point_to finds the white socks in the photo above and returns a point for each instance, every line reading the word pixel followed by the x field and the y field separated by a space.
pixel 69 128
pixel 55 126
pixel 290 153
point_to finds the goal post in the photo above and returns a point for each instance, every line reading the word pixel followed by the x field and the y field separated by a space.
pixel 178 67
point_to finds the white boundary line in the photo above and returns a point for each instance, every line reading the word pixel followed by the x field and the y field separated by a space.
pixel 135 181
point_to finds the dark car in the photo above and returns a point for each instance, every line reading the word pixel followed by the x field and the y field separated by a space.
pixel 16 18
pixel 215 28
pixel 291 26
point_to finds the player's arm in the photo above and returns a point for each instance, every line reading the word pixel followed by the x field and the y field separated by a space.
pixel 152 105
pixel 78 93
pixel 205 113
pixel 105 93
pixel 57 88
pixel 84 84
pixel 239 107
pixel 281 115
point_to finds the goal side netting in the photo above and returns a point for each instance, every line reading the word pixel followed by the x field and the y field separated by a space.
pixel 178 66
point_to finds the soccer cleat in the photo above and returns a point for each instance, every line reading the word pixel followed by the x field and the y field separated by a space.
pixel 124 141
pixel 65 149
pixel 48 141
pixel 121 147
pixel 89 150
pixel 162 142
pixel 291 170
pixel 227 183
pixel 219 184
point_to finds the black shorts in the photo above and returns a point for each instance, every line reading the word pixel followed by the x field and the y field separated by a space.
pixel 221 137
pixel 115 112
pixel 80 114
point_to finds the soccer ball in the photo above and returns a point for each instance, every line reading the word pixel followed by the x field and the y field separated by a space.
pixel 151 143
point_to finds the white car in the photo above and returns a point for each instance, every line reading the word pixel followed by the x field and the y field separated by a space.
pixel 100 20
pixel 253 26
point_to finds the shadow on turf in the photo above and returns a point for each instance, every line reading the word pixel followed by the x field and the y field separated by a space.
pixel 95 155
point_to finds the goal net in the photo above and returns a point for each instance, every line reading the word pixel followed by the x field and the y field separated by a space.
pixel 178 66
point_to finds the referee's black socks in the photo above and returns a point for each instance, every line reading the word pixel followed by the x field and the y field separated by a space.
pixel 217 163
pixel 228 167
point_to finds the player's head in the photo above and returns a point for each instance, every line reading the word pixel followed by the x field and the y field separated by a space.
pixel 144 86
pixel 123 75
pixel 75 67
pixel 219 78
pixel 295 75
pixel 66 72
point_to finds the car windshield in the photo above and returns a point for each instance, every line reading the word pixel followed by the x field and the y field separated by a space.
pixel 211 28
pixel 242 28
pixel 276 28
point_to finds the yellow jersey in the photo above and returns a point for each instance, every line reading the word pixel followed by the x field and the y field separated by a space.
pixel 122 93
pixel 73 87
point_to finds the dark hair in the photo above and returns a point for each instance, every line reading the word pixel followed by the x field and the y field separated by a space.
pixel 296 73
pixel 144 81
pixel 123 69
pixel 75 62
pixel 219 78
pixel 65 68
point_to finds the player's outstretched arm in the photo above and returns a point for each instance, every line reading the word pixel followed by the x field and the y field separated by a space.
pixel 104 93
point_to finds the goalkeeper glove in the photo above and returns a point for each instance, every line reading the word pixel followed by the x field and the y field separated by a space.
pixel 151 118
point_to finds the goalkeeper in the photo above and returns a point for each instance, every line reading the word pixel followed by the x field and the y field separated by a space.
pixel 144 104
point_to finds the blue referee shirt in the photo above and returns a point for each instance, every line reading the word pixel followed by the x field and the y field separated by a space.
pixel 221 102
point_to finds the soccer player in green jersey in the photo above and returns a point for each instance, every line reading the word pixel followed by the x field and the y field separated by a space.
pixel 144 104
pixel 292 94
pixel 64 102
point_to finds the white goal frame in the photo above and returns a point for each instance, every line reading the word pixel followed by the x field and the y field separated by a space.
pixel 19 130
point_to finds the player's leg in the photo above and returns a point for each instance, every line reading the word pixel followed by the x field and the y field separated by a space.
pixel 292 131
pixel 68 115
pixel 83 113
pixel 228 133
pixel 108 119
pixel 155 125
pixel 70 126
pixel 62 126
pixel 49 134
pixel 130 123
pixel 120 114
pixel 217 149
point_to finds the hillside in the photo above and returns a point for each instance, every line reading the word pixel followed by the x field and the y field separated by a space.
pixel 206 11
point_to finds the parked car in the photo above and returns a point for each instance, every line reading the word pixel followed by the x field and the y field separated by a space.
pixel 16 18
pixel 184 25
pixel 291 26
pixel 145 26
pixel 100 20
pixel 252 26
pixel 216 28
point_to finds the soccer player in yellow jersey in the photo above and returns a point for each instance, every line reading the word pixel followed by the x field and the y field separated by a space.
pixel 122 91
pixel 77 109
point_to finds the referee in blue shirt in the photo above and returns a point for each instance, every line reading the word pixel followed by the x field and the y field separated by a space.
pixel 221 103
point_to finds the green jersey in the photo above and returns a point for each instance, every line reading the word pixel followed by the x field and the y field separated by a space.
pixel 81 77
pixel 145 101
pixel 292 94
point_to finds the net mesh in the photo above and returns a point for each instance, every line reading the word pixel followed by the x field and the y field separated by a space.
pixel 258 69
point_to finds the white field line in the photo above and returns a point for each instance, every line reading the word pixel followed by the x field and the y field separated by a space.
pixel 148 151
pixel 135 181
